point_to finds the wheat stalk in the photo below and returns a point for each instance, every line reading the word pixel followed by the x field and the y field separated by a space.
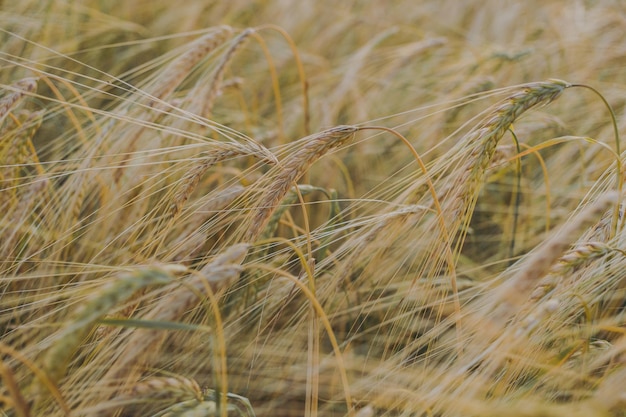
pixel 484 140
pixel 511 295
pixel 218 274
pixel 178 70
pixel 291 170
pixel 15 399
pixel 99 304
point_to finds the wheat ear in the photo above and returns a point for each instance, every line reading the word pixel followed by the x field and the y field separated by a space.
pixel 291 170
pixel 219 273
pixel 286 202
pixel 191 179
pixel 177 70
pixel 215 86
pixel 189 241
pixel 16 149
pixel 155 393
pixel 191 408
pixel 16 141
pixel 176 388
pixel 517 290
pixel 97 306
pixel 581 253
pixel 18 90
pixel 19 215
pixel 484 140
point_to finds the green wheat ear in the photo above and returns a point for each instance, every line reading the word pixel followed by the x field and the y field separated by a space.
pixel 95 307
pixel 176 300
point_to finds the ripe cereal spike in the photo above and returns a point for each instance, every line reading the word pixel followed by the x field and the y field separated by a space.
pixel 191 179
pixel 517 291
pixel 484 140
pixel 578 255
pixel 19 90
pixel 192 408
pixel 141 345
pixel 218 76
pixel 177 70
pixel 96 306
pixel 291 170
pixel 176 388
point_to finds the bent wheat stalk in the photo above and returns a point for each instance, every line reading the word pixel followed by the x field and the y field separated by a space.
pixel 291 170
pixel 96 307
pixel 510 296
pixel 177 70
pixel 484 140
pixel 143 344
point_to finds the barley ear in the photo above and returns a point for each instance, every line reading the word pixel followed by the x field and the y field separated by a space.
pixel 174 387
pixel 484 139
pixel 99 304
pixel 178 69
pixel 190 180
pixel 513 294
pixel 214 87
pixel 291 170
pixel 18 90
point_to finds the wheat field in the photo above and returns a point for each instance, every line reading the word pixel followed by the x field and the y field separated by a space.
pixel 283 208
